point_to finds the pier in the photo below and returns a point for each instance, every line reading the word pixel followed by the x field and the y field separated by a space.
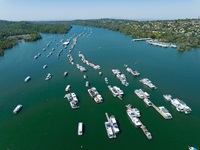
pixel 107 117
pixel 165 115
pixel 146 132
pixel 141 39
pixel 161 110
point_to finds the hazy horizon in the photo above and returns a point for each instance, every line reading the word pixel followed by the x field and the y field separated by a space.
pixel 61 10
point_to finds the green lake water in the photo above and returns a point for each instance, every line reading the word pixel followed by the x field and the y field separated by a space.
pixel 47 122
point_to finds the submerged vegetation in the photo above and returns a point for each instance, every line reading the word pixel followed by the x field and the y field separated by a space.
pixel 185 33
pixel 13 32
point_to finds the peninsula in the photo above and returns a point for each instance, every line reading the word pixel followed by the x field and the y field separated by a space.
pixel 13 32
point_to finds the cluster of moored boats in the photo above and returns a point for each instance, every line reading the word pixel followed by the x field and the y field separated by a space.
pixel 48 77
pixel 156 42
pixel 178 104
pixel 111 126
pixel 134 73
pixel 134 115
pixel 59 52
pixel 74 42
pixel 81 68
pixel 71 60
pixel 84 60
pixel 36 56
pixel 145 96
pixel 148 83
pixel 73 100
pixel 160 44
pixel 50 53
pixel 116 91
pixel 120 76
pixel 95 95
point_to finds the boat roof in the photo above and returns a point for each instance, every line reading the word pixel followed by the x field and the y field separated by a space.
pixel 66 43
pixel 113 120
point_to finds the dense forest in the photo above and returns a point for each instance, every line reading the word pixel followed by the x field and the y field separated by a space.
pixel 185 33
pixel 13 32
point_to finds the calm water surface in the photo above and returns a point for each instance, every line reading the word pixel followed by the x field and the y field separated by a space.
pixel 47 120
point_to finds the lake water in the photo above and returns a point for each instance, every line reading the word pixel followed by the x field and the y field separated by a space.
pixel 47 122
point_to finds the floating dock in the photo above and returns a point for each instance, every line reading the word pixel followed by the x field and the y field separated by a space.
pixel 141 39
pixel 146 132
pixel 165 115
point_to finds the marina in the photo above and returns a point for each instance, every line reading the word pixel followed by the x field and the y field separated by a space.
pixel 51 115
pixel 160 44
pixel 156 42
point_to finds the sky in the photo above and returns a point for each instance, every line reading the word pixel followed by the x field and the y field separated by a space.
pixel 38 10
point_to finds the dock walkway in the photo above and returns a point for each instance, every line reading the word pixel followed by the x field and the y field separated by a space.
pixel 141 39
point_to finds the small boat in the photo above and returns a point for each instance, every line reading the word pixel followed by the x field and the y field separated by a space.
pixel 87 84
pixel 167 97
pixel 45 66
pixel 35 57
pixel 84 76
pixel 48 76
pixel 114 124
pixel 80 128
pixel 67 88
pixel 100 73
pixel 17 109
pixel 106 80
pixel 192 148
pixel 109 130
pixel 27 79
pixel 65 74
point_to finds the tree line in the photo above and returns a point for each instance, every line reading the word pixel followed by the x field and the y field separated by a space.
pixel 10 31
